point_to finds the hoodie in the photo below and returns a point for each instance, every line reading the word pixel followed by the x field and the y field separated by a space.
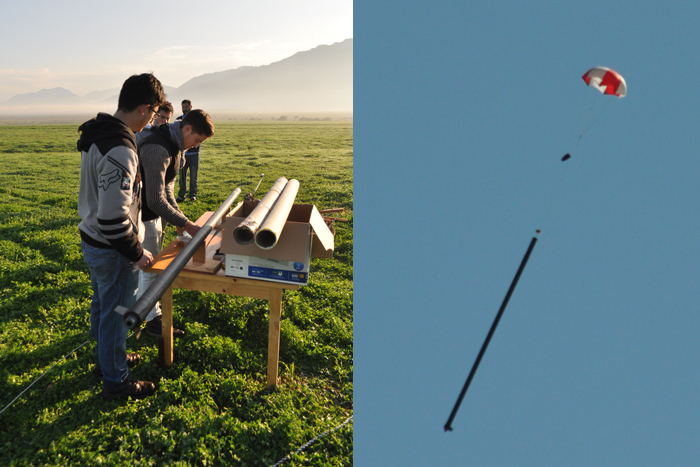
pixel 109 200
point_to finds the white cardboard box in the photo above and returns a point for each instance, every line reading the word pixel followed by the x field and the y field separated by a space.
pixel 305 235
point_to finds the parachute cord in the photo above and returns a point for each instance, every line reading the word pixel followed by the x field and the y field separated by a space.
pixel 576 144
pixel 584 109
pixel 587 120
pixel 595 118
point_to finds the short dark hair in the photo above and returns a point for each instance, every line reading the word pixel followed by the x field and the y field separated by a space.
pixel 168 107
pixel 139 90
pixel 186 101
pixel 200 121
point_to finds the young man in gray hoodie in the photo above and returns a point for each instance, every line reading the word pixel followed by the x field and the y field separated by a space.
pixel 109 207
pixel 160 158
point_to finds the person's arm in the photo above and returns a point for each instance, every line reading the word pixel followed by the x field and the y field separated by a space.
pixel 155 160
pixel 170 197
pixel 190 227
pixel 117 174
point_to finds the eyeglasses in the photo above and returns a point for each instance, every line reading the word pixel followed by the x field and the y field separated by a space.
pixel 155 111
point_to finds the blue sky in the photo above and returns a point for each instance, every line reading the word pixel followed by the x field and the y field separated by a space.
pixel 462 113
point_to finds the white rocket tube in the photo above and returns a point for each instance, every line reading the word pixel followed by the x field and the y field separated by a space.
pixel 266 237
pixel 245 232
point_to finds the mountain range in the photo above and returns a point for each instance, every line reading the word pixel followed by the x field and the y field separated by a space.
pixel 315 80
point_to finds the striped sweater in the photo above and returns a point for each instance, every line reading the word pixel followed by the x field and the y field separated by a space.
pixel 160 157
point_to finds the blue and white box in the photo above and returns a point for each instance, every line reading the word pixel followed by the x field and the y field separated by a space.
pixel 305 235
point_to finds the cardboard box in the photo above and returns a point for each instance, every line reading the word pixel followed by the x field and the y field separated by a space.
pixel 305 235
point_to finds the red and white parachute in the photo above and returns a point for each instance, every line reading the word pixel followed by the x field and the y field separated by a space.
pixel 606 81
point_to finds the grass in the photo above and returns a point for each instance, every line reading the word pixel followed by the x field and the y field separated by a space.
pixel 212 407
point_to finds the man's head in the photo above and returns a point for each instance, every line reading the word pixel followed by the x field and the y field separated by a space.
pixel 165 112
pixel 186 106
pixel 140 97
pixel 196 127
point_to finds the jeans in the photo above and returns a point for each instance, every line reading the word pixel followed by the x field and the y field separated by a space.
pixel 114 281
pixel 152 242
pixel 192 163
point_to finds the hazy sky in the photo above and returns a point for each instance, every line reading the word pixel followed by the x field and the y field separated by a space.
pixel 87 46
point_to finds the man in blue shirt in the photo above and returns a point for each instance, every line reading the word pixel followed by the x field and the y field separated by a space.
pixel 191 163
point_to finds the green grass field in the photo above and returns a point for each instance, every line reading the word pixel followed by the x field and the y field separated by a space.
pixel 212 407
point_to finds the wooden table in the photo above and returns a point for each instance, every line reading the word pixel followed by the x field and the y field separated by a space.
pixel 205 274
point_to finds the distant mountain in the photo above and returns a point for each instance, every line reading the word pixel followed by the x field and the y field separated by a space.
pixel 315 80
pixel 44 97
pixel 111 96
pixel 97 96
pixel 319 79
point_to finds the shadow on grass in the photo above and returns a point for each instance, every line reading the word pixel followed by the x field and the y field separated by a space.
pixel 16 225
pixel 26 306
pixel 28 418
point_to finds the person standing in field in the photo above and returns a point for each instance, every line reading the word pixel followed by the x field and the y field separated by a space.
pixel 109 207
pixel 160 158
pixel 165 112
pixel 191 163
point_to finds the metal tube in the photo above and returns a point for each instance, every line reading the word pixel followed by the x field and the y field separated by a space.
pixel 134 316
pixel 245 232
pixel 448 425
pixel 269 232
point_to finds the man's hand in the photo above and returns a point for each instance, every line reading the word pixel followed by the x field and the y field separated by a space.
pixel 146 260
pixel 191 228
pixel 179 230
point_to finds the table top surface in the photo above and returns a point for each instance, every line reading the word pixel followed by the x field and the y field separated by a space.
pixel 201 266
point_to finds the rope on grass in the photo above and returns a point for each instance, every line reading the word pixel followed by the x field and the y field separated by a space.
pixel 54 365
pixel 313 441
pixel 44 374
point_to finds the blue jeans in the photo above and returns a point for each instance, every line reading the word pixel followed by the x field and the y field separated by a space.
pixel 114 282
pixel 192 163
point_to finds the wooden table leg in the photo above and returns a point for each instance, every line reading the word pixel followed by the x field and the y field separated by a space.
pixel 167 310
pixel 273 345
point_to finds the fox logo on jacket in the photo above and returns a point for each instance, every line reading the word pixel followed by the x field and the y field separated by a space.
pixel 107 179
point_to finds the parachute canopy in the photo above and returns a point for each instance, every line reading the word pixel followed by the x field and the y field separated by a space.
pixel 606 81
